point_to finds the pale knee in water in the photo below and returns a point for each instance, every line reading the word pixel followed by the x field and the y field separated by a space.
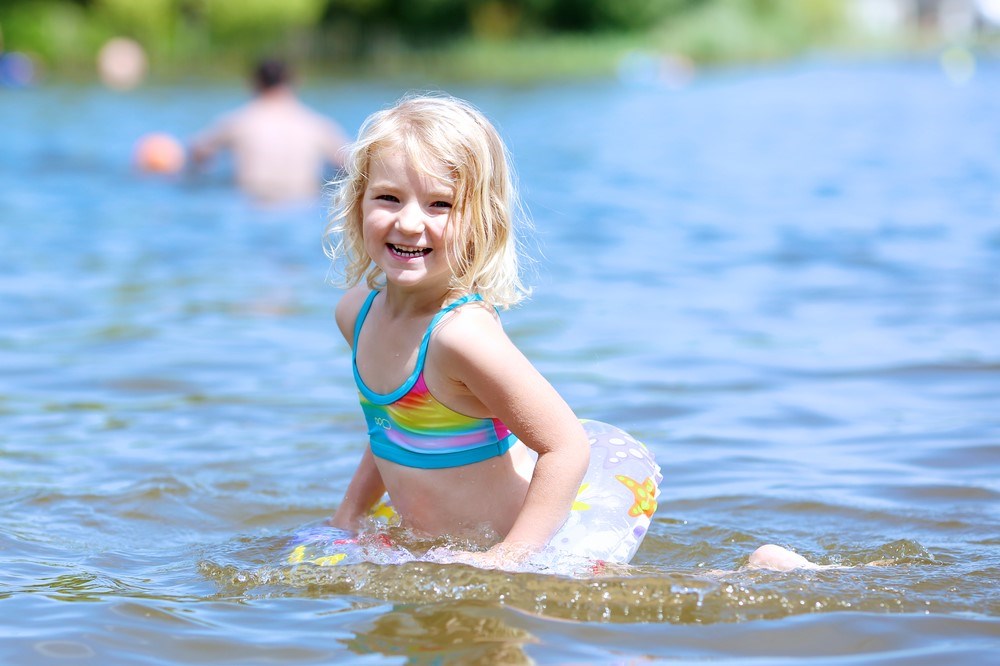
pixel 777 558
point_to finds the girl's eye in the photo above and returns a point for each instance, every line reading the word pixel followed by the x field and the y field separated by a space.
pixel 387 197
pixel 441 204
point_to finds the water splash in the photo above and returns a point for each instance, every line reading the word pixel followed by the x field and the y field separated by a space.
pixel 569 589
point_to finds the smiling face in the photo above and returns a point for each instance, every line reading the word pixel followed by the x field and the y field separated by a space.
pixel 406 221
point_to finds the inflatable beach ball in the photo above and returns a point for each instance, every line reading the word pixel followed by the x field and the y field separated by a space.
pixel 159 153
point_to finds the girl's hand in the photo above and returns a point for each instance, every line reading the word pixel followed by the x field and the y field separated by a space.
pixel 504 556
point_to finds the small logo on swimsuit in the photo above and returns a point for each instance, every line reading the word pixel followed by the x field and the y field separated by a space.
pixel 383 423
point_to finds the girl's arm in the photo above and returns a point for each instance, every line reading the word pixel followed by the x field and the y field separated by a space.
pixel 366 486
pixel 363 491
pixel 477 355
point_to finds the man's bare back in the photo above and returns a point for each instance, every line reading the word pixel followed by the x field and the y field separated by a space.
pixel 279 145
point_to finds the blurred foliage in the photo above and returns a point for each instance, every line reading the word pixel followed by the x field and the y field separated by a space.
pixel 428 20
pixel 49 29
pixel 239 20
pixel 185 36
pixel 754 29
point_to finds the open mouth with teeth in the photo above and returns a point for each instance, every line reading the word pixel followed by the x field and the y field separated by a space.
pixel 407 252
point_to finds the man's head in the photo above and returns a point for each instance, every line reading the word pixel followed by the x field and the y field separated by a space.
pixel 270 74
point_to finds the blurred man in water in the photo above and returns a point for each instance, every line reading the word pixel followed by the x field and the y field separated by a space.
pixel 280 146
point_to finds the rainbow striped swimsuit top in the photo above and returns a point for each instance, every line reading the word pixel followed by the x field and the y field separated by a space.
pixel 410 427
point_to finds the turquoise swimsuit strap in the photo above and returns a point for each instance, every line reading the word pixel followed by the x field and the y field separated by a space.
pixel 387 398
pixel 362 313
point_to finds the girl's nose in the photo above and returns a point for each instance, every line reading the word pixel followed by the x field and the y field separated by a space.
pixel 410 219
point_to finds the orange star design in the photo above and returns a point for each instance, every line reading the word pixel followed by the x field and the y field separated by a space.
pixel 645 495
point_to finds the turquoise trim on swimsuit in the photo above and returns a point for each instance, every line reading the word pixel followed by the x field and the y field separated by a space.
pixel 409 426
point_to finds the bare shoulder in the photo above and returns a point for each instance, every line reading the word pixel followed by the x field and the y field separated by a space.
pixel 471 330
pixel 487 371
pixel 348 308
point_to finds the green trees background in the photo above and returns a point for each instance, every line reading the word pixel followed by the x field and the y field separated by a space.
pixel 467 37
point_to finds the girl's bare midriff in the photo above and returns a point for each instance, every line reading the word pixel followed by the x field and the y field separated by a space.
pixel 476 499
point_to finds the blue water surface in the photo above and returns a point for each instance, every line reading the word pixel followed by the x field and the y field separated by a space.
pixel 784 280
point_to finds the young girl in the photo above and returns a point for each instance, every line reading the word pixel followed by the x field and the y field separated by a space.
pixel 465 435
pixel 424 223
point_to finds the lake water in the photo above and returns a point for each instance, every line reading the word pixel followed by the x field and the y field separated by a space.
pixel 785 281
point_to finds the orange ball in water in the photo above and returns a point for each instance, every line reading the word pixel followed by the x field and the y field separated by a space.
pixel 159 153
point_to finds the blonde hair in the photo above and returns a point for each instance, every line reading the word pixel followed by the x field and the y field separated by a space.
pixel 438 131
